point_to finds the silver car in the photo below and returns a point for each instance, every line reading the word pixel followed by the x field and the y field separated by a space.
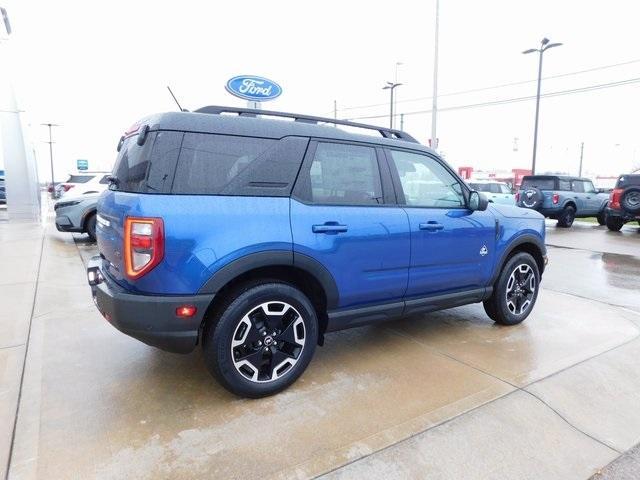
pixel 77 214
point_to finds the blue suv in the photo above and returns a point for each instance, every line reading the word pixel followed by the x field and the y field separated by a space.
pixel 254 237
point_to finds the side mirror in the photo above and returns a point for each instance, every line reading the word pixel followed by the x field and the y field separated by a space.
pixel 477 201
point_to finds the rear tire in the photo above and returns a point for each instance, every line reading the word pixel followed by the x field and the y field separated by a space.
pixel 90 227
pixel 515 292
pixel 614 223
pixel 261 339
pixel 566 218
pixel 602 217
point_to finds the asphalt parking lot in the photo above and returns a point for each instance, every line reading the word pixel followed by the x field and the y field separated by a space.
pixel 444 395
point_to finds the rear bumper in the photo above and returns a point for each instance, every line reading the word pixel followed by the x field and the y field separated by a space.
pixel 151 319
pixel 627 217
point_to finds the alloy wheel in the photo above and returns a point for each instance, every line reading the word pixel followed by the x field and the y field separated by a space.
pixel 268 341
pixel 521 289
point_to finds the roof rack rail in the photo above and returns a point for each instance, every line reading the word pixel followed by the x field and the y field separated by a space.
pixel 250 112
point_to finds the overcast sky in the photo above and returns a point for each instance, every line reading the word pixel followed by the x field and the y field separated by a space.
pixel 96 67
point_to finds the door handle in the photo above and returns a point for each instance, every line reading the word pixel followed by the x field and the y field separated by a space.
pixel 431 226
pixel 329 227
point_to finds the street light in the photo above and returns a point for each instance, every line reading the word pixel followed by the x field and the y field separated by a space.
pixel 391 86
pixel 544 45
pixel 51 142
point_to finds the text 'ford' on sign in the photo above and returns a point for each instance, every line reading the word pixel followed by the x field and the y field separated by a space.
pixel 254 88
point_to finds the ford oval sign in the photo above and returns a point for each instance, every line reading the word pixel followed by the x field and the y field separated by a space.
pixel 257 89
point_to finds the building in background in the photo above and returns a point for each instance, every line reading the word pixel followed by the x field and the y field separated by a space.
pixel 16 158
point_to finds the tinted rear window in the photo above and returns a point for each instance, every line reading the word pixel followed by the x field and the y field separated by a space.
pixel 627 180
pixel 541 183
pixel 148 168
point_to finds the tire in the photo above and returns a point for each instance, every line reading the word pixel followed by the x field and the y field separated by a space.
pixel 602 217
pixel 515 291
pixel 566 218
pixel 630 200
pixel 235 338
pixel 614 223
pixel 90 227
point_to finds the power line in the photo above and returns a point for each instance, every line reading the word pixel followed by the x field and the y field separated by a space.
pixel 493 87
pixel 504 101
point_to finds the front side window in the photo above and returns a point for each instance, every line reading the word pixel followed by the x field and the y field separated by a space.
pixel 345 175
pixel 426 182
pixel 588 187
pixel 504 188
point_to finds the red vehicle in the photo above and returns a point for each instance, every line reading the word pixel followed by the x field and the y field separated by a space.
pixel 624 202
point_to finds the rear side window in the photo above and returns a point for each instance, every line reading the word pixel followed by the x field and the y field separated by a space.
pixel 209 163
pixel 564 185
pixel 345 175
pixel 541 183
pixel 577 186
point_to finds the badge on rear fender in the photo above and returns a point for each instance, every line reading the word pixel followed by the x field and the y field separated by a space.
pixel 484 250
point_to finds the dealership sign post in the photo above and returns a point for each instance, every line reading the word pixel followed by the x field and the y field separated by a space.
pixel 253 89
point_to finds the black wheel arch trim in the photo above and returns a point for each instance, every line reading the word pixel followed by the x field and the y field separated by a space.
pixel 274 258
pixel 520 240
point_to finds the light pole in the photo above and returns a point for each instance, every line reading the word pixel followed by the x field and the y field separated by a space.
pixel 395 99
pixel 50 142
pixel 391 86
pixel 434 104
pixel 544 45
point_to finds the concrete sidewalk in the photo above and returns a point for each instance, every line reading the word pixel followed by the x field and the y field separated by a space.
pixel 20 252
pixel 446 395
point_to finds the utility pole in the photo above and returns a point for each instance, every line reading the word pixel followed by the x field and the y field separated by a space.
pixel 335 110
pixel 434 107
pixel 50 142
pixel 544 45
pixel 581 154
pixel 402 122
pixel 391 86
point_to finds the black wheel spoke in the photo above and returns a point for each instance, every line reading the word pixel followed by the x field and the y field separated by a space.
pixel 272 344
pixel 254 357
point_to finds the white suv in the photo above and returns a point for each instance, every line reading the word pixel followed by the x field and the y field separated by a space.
pixel 83 183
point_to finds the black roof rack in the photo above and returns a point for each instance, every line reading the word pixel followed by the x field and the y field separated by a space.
pixel 249 112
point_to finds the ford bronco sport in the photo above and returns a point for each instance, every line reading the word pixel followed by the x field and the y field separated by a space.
pixel 254 237
pixel 562 198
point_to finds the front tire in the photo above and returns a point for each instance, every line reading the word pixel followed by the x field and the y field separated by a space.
pixel 264 338
pixel 91 227
pixel 566 218
pixel 515 292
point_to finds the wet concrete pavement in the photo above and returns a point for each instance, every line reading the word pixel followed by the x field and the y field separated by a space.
pixel 444 395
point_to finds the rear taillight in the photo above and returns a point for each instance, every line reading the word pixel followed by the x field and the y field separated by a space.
pixel 517 197
pixel 143 245
pixel 555 198
pixel 614 198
